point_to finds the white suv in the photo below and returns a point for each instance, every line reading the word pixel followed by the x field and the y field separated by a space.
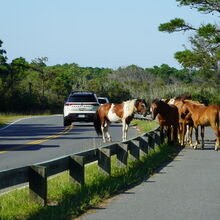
pixel 80 107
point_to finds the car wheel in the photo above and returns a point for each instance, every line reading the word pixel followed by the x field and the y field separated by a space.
pixel 66 122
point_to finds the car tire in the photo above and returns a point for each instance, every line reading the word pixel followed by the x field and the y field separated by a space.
pixel 66 122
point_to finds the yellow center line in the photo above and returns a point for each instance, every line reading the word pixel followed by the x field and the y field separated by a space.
pixel 65 131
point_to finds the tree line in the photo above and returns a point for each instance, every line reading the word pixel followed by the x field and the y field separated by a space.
pixel 34 86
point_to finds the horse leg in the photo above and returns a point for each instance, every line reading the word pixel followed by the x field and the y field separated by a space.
pixel 103 133
pixel 182 133
pixel 123 130
pixel 107 133
pixel 169 134
pixel 161 133
pixel 190 134
pixel 104 128
pixel 196 134
pixel 202 135
pixel 187 134
pixel 126 130
pixel 216 130
pixel 175 133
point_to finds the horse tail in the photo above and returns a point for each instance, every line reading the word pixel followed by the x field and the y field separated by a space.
pixel 218 120
pixel 97 123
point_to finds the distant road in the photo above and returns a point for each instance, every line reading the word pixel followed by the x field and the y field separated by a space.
pixel 39 139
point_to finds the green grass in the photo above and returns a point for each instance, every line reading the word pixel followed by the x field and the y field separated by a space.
pixel 8 118
pixel 144 126
pixel 66 201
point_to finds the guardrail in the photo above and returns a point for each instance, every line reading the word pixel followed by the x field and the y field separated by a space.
pixel 36 175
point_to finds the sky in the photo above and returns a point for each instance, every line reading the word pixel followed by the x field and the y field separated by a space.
pixel 95 33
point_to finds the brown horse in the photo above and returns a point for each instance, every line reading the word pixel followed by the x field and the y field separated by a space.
pixel 123 112
pixel 185 124
pixel 203 116
pixel 168 118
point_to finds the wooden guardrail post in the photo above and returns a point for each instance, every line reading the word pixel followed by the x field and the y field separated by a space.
pixel 38 184
pixel 122 155
pixel 143 145
pixel 157 137
pixel 77 169
pixel 134 149
pixel 162 136
pixel 151 141
pixel 104 160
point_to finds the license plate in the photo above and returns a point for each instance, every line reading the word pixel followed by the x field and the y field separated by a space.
pixel 81 116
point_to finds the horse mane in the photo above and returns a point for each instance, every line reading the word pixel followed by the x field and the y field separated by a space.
pixel 184 97
pixel 129 106
pixel 192 102
pixel 159 101
pixel 156 101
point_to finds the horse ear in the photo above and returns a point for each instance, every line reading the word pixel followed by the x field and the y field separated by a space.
pixel 155 101
pixel 136 102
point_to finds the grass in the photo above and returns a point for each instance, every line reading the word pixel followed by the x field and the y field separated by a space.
pixel 8 118
pixel 66 201
pixel 144 126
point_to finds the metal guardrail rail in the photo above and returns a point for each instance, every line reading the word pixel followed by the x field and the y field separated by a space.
pixel 36 175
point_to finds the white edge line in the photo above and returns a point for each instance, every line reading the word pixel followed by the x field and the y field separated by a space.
pixel 20 119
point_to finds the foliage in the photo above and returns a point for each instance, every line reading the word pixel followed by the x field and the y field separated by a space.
pixel 202 5
pixel 204 55
pixel 35 87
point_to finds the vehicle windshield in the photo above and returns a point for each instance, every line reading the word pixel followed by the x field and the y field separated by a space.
pixel 82 98
pixel 102 101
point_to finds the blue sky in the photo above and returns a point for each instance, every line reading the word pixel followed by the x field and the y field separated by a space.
pixel 96 33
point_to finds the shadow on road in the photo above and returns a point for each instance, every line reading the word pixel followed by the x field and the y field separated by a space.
pixel 25 147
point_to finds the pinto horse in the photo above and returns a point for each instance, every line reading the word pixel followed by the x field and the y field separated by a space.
pixel 123 112
pixel 203 116
pixel 168 118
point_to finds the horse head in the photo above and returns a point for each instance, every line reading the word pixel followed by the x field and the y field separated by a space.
pixel 141 106
pixel 154 108
pixel 184 111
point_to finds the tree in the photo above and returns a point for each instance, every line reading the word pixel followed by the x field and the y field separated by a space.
pixel 38 65
pixel 204 55
pixel 3 59
pixel 16 72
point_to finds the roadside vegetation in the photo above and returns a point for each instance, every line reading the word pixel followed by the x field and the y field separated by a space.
pixel 67 201
pixel 10 117
pixel 142 126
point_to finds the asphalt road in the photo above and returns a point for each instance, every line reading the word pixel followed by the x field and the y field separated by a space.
pixel 38 139
pixel 188 188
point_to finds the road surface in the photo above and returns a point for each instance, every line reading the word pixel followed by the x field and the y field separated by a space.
pixel 38 139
